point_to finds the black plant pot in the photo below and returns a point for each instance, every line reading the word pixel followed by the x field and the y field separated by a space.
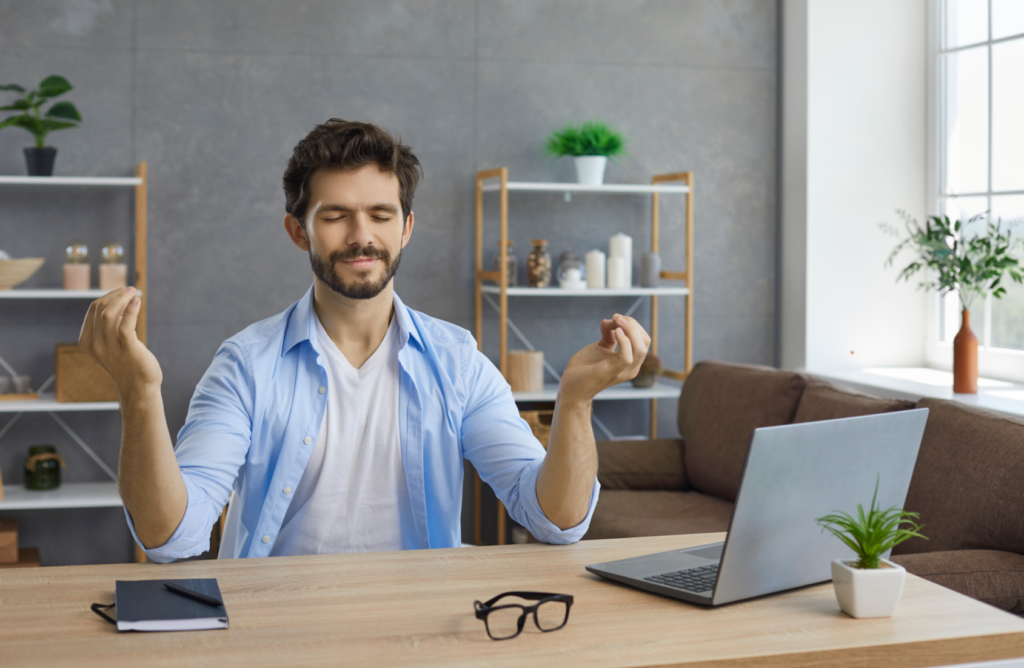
pixel 39 161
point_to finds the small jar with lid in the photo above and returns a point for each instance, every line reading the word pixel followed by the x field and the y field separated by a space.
pixel 571 274
pixel 538 265
pixel 511 268
pixel 42 468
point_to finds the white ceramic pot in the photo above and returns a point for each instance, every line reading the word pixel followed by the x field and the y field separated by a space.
pixel 590 169
pixel 868 592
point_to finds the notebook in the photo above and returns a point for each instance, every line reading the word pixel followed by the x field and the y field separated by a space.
pixel 145 605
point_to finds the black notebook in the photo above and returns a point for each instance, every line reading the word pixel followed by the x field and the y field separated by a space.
pixel 145 605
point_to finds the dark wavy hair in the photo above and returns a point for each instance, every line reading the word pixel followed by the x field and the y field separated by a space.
pixel 342 145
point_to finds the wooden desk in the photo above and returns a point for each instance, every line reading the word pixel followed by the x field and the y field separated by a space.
pixel 415 608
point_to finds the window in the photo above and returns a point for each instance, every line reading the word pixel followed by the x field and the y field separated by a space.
pixel 977 121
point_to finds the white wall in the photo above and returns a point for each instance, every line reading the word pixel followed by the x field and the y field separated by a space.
pixel 854 150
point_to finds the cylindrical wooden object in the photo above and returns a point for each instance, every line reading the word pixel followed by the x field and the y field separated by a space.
pixel 76 276
pixel 526 370
pixel 965 358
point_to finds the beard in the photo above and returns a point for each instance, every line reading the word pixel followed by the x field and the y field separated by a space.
pixel 362 288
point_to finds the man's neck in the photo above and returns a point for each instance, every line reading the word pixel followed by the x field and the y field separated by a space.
pixel 357 326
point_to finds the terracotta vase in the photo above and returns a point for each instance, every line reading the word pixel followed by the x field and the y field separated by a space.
pixel 965 358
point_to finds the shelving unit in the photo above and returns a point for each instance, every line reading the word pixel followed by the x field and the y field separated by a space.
pixel 90 494
pixel 496 180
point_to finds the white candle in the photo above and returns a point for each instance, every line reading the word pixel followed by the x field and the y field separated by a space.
pixel 617 273
pixel 595 269
pixel 621 245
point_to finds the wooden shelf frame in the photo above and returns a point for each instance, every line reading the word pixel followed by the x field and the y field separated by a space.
pixel 485 182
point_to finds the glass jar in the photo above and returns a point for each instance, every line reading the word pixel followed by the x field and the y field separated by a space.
pixel 538 265
pixel 511 268
pixel 42 468
pixel 571 274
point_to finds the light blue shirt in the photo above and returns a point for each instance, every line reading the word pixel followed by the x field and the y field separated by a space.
pixel 256 414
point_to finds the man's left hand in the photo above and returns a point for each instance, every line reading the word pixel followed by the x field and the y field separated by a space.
pixel 599 366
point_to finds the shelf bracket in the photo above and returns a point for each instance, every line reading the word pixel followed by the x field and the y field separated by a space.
pixel 82 444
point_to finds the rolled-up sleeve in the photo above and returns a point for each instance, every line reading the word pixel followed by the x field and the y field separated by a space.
pixel 504 451
pixel 211 448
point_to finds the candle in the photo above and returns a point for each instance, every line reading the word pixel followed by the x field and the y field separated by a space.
pixel 595 269
pixel 617 273
pixel 621 245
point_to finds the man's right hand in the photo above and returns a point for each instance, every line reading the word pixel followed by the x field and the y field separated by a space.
pixel 108 333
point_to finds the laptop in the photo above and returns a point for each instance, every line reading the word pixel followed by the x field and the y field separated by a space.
pixel 793 474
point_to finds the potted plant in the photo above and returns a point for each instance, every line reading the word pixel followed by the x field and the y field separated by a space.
pixel 591 144
pixel 971 264
pixel 62 115
pixel 870 586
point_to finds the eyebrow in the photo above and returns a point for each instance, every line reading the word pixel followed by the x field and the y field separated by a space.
pixel 379 206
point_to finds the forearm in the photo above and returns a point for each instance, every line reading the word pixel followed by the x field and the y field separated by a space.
pixel 151 484
pixel 566 479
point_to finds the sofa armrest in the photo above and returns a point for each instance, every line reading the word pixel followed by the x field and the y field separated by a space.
pixel 642 465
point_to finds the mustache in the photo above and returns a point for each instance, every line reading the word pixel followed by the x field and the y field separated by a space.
pixel 359 253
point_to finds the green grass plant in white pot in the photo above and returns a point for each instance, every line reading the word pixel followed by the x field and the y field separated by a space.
pixel 870 586
pixel 590 144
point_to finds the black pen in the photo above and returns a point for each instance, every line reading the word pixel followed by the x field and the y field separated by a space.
pixel 194 595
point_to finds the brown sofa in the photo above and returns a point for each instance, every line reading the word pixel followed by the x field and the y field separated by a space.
pixel 968 483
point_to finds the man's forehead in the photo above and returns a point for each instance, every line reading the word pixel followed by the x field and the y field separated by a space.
pixel 367 185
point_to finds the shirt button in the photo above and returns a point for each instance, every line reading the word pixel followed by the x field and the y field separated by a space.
pixel 323 389
pixel 287 490
pixel 307 440
pixel 266 539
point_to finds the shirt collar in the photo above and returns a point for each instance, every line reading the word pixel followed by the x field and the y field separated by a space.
pixel 302 324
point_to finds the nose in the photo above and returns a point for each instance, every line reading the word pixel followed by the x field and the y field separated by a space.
pixel 359 230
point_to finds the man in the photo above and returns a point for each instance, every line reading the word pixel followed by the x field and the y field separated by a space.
pixel 341 424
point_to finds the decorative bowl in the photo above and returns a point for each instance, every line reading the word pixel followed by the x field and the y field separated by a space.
pixel 13 272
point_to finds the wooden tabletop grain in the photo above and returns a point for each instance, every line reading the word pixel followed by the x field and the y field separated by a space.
pixel 416 608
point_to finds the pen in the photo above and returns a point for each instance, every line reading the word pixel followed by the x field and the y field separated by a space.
pixel 194 595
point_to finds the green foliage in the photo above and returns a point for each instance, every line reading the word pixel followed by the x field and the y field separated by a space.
pixel 591 138
pixel 60 116
pixel 972 265
pixel 870 534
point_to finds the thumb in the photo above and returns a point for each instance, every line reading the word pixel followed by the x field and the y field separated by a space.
pixel 130 318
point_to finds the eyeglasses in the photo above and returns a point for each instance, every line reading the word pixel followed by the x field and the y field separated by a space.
pixel 507 621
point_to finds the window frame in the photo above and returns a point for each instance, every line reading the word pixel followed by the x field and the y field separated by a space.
pixel 1005 363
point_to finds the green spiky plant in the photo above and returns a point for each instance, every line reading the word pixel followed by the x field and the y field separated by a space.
pixel 871 534
pixel 590 138
pixel 59 116
pixel 972 265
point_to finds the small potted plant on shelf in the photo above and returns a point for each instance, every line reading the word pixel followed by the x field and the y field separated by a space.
pixel 60 116
pixel 591 144
pixel 972 264
pixel 870 586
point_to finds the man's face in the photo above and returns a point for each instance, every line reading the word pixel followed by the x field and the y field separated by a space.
pixel 355 230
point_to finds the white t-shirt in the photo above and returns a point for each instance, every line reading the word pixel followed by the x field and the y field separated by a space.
pixel 352 496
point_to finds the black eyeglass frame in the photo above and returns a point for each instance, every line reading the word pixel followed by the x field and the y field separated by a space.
pixel 484 609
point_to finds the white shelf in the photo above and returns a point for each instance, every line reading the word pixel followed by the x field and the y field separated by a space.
pixel 68 495
pixel 71 180
pixel 47 403
pixel 51 293
pixel 615 393
pixel 636 188
pixel 634 291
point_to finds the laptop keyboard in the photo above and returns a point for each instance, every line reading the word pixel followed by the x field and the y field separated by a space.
pixel 697 580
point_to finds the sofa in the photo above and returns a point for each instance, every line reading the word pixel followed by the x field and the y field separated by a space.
pixel 968 482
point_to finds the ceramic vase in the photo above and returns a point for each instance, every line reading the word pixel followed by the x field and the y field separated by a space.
pixel 965 358
pixel 868 592
pixel 590 169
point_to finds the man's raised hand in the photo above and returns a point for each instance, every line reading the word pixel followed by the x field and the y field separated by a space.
pixel 108 334
pixel 614 359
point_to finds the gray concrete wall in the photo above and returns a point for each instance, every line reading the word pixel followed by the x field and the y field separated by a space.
pixel 214 94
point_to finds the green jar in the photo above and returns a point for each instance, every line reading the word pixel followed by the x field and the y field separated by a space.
pixel 42 468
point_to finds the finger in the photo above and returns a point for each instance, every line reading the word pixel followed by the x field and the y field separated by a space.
pixel 607 337
pixel 85 335
pixel 126 329
pixel 110 316
pixel 643 332
pixel 635 333
pixel 625 354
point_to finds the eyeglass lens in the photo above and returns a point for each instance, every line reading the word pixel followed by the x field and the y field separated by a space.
pixel 504 622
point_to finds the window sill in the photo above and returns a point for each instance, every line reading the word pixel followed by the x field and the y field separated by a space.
pixel 914 383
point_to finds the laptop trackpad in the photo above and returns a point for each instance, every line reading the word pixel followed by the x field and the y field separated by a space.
pixel 708 551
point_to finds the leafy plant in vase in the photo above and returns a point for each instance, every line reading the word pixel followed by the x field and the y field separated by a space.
pixel 591 144
pixel 972 265
pixel 60 116
pixel 870 586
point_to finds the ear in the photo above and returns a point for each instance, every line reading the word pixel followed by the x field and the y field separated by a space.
pixel 407 228
pixel 296 232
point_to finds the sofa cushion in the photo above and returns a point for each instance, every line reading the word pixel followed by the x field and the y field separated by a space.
pixel 625 514
pixel 967 481
pixel 654 464
pixel 824 401
pixel 997 578
pixel 719 408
